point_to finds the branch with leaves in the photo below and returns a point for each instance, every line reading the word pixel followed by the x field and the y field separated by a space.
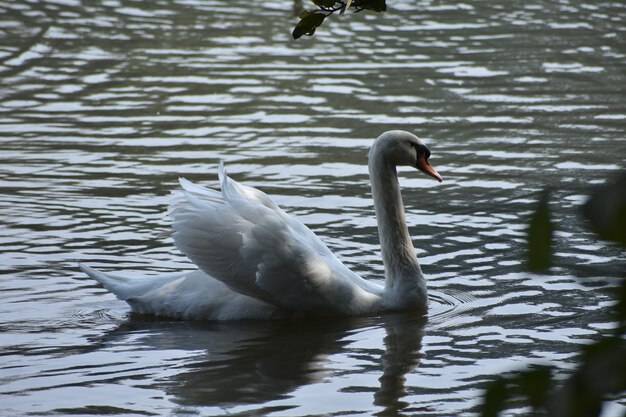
pixel 312 19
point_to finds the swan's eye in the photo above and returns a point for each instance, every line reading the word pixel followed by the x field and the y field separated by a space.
pixel 422 150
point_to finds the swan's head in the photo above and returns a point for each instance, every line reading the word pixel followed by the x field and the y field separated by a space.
pixel 403 148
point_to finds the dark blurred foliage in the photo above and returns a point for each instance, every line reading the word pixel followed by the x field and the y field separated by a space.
pixel 606 210
pixel 602 368
pixel 540 231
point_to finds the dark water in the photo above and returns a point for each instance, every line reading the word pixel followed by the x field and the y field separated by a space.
pixel 103 105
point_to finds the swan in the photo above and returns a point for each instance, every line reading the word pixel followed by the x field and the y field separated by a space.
pixel 257 262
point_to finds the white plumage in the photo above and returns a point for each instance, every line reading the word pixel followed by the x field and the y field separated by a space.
pixel 256 261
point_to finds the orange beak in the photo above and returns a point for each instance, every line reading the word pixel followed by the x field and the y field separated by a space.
pixel 424 166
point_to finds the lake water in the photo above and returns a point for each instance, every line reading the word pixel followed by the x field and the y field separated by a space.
pixel 103 105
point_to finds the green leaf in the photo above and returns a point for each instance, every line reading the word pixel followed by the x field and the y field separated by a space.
pixel 540 231
pixel 375 5
pixel 308 24
pixel 606 210
pixel 536 385
pixel 324 3
pixel 496 395
pixel 602 372
pixel 620 308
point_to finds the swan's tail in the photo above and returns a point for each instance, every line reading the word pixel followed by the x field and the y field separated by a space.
pixel 189 295
pixel 135 289
pixel 118 285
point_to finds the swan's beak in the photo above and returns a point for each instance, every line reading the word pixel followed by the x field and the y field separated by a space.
pixel 424 166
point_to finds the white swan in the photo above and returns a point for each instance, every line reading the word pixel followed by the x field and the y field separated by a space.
pixel 257 262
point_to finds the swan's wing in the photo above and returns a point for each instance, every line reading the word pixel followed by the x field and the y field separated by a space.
pixel 242 238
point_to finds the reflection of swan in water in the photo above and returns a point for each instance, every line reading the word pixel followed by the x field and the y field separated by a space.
pixel 402 343
pixel 244 362
pixel 263 365
pixel 255 261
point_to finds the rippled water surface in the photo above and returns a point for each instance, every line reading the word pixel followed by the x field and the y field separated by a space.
pixel 103 105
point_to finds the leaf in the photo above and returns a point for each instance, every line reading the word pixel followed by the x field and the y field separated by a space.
pixel 376 5
pixel 324 3
pixel 606 210
pixel 540 231
pixel 620 308
pixel 496 395
pixel 602 372
pixel 308 24
pixel 536 385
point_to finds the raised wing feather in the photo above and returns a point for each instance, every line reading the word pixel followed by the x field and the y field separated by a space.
pixel 242 238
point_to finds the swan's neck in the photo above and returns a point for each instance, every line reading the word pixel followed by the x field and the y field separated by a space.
pixel 402 271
